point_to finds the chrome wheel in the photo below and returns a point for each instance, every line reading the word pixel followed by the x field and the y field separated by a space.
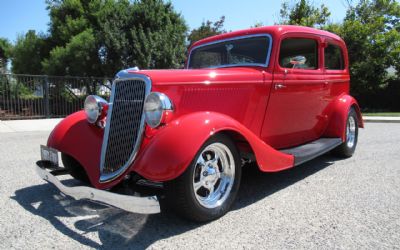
pixel 208 187
pixel 351 132
pixel 214 175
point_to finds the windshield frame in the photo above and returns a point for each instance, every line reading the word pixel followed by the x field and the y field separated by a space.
pixel 266 64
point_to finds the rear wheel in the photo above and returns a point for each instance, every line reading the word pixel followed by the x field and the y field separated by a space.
pixel 208 187
pixel 75 168
pixel 347 148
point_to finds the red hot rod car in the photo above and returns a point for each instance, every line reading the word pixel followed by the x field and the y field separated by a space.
pixel 276 95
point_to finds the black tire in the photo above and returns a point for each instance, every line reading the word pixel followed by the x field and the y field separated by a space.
pixel 75 168
pixel 180 194
pixel 347 148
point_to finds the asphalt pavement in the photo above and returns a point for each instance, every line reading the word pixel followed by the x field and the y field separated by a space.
pixel 328 203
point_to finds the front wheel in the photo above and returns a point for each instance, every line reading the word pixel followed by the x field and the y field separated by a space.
pixel 347 148
pixel 208 187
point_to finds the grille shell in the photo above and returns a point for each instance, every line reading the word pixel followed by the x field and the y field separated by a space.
pixel 125 124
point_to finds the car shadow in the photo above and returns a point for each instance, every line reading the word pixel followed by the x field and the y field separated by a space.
pixel 119 229
pixel 257 185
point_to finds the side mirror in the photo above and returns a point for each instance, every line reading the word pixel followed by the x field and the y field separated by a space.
pixel 297 60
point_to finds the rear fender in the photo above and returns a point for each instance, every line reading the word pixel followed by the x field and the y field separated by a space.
pixel 171 150
pixel 340 109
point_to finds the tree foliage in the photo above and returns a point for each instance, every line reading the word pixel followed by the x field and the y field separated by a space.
pixel 72 38
pixel 147 34
pixel 207 29
pixel 77 57
pixel 371 32
pixel 100 37
pixel 28 52
pixel 5 51
pixel 303 13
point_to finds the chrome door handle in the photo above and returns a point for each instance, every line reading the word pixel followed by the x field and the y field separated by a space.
pixel 280 86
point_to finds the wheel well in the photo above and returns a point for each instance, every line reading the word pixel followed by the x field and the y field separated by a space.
pixel 75 168
pixel 245 150
pixel 359 116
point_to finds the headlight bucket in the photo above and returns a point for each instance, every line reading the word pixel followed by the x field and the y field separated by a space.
pixel 94 107
pixel 155 107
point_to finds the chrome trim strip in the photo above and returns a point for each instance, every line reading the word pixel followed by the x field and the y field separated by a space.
pixel 134 204
pixel 232 39
pixel 123 75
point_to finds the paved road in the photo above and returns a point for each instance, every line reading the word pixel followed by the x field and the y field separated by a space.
pixel 327 203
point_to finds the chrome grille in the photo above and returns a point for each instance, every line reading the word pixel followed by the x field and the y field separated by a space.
pixel 124 128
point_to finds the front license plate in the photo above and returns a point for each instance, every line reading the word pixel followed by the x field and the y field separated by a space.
pixel 49 154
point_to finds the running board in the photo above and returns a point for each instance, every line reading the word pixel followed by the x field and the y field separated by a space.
pixel 312 150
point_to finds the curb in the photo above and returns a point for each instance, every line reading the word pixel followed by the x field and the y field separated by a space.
pixel 381 119
pixel 12 126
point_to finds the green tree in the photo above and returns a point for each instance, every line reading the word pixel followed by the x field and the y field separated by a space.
pixel 303 13
pixel 207 29
pixel 73 28
pixel 371 32
pixel 28 52
pixel 77 57
pixel 100 37
pixel 147 34
pixel 5 51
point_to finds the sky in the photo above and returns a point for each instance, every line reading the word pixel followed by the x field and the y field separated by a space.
pixel 19 16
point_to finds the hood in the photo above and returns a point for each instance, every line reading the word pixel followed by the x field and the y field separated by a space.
pixel 199 76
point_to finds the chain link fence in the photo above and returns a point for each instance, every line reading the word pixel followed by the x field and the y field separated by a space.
pixel 39 96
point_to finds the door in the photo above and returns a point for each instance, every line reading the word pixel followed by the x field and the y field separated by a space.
pixel 297 100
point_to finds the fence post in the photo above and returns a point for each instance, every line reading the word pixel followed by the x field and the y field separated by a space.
pixel 46 96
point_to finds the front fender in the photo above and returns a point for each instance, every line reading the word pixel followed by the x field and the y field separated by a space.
pixel 170 151
pixel 76 137
pixel 339 111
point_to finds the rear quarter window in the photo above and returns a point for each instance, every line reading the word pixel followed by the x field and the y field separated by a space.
pixel 334 57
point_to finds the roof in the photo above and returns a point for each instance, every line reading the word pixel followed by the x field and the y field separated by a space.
pixel 276 30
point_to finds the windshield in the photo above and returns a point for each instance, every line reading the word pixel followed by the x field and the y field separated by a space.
pixel 252 50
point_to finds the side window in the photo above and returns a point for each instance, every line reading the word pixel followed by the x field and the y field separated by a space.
pixel 299 53
pixel 333 57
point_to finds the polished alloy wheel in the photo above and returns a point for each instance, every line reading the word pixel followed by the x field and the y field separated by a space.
pixel 214 175
pixel 351 132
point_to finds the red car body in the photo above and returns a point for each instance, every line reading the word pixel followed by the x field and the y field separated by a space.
pixel 264 108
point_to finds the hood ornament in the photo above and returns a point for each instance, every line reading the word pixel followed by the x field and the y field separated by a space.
pixel 136 68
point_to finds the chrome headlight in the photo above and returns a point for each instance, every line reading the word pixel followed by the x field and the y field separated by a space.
pixel 93 107
pixel 155 107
